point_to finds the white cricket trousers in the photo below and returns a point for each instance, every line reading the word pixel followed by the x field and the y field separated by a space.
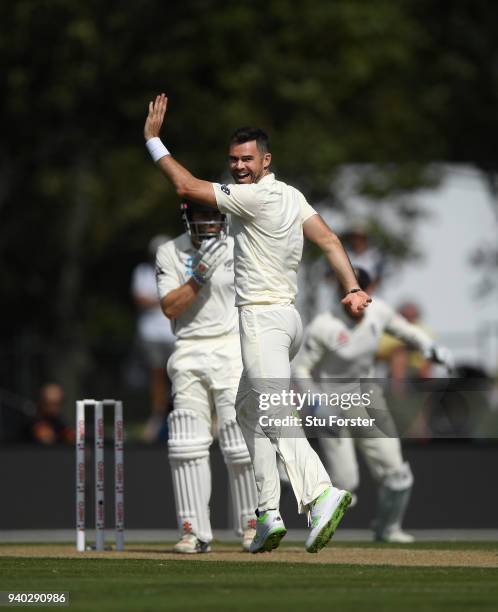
pixel 382 453
pixel 270 336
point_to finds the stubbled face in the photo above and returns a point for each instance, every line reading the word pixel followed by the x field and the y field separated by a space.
pixel 247 163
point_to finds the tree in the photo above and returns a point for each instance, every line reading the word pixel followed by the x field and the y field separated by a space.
pixel 394 86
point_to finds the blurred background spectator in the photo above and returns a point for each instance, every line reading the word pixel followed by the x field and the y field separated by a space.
pixel 403 365
pixel 362 253
pixel 155 341
pixel 48 426
pixel 402 362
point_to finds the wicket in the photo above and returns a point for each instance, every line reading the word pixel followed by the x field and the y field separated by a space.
pixel 99 472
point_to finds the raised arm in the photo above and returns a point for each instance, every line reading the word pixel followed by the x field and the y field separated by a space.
pixel 316 230
pixel 416 337
pixel 186 184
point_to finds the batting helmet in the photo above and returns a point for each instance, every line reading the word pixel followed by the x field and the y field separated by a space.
pixel 212 225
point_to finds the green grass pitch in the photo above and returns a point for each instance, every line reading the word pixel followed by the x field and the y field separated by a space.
pixel 192 584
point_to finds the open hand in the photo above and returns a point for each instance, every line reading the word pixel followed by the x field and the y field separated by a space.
pixel 356 302
pixel 155 118
pixel 207 259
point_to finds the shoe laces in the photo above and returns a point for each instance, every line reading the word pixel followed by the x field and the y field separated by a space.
pixel 311 519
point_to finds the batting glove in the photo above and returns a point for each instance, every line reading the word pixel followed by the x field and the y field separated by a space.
pixel 207 259
pixel 441 355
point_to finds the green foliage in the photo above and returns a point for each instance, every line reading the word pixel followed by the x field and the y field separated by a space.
pixel 395 85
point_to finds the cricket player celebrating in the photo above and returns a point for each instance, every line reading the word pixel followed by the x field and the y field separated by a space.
pixel 195 282
pixel 339 346
pixel 269 219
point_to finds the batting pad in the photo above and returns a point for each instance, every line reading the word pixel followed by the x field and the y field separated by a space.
pixel 394 495
pixel 188 451
pixel 240 475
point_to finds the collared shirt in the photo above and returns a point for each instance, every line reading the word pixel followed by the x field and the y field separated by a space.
pixel 213 313
pixel 267 225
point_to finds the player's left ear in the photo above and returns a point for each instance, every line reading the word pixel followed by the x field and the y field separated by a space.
pixel 266 160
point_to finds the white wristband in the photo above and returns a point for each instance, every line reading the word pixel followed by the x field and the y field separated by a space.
pixel 156 148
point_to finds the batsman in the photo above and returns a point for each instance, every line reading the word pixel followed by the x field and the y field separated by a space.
pixel 196 287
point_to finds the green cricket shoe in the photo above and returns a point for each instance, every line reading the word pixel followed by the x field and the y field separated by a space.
pixel 326 513
pixel 270 529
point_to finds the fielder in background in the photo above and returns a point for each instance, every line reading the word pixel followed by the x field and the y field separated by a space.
pixel 362 253
pixel 339 346
pixel 269 219
pixel 195 281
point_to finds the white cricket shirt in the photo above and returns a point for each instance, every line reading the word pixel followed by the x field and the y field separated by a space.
pixel 213 312
pixel 267 225
pixel 152 324
pixel 337 346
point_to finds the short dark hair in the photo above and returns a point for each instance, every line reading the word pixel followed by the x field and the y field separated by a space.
pixel 363 278
pixel 248 134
